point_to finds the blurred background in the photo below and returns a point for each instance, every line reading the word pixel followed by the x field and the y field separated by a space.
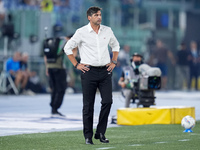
pixel 137 24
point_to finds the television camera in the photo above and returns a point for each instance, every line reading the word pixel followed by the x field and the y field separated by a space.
pixel 144 87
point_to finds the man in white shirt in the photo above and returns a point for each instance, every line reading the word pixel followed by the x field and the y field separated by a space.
pixel 96 66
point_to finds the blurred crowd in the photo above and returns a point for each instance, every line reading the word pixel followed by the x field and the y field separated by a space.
pixel 45 5
pixel 185 61
pixel 26 81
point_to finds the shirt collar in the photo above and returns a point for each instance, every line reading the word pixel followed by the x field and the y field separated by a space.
pixel 90 28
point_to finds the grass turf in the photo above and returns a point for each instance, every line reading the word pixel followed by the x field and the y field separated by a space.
pixel 147 137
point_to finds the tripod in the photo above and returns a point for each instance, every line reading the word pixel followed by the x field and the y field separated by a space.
pixel 5 76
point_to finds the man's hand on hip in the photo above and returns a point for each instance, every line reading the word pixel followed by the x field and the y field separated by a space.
pixel 83 67
pixel 110 66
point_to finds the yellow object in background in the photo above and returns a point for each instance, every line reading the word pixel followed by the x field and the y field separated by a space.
pixel 47 5
pixel 156 115
pixel 179 113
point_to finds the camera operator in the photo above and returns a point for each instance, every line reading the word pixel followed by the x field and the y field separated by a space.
pixel 129 78
pixel 56 71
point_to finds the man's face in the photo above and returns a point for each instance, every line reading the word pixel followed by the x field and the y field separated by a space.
pixel 137 58
pixel 17 56
pixel 25 58
pixel 95 18
pixel 159 44
pixel 193 45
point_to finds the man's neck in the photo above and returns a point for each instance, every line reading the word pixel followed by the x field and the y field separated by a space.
pixel 95 27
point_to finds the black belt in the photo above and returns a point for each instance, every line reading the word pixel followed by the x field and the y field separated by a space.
pixel 97 66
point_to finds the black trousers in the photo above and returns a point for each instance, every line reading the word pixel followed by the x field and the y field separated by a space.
pixel 194 72
pixel 57 81
pixel 91 80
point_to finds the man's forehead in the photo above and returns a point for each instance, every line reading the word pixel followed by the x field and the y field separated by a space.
pixel 98 13
pixel 136 56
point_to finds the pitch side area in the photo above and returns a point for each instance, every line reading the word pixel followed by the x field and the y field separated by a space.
pixel 31 114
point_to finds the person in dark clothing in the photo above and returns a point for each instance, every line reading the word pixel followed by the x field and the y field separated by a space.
pixel 194 64
pixel 182 69
pixel 160 56
pixel 56 72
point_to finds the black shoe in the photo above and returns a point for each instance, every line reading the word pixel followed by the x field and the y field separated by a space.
pixel 101 137
pixel 57 114
pixel 88 141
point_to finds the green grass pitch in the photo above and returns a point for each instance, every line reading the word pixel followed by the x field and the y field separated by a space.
pixel 143 137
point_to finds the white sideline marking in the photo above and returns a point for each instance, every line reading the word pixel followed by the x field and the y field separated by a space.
pixel 136 145
pixel 184 140
pixel 106 148
pixel 160 142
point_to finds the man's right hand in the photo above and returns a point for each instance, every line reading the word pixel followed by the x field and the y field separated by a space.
pixel 83 68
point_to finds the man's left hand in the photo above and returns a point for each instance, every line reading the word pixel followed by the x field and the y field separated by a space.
pixel 110 66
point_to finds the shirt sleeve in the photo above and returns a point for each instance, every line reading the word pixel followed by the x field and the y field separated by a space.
pixel 113 43
pixel 72 43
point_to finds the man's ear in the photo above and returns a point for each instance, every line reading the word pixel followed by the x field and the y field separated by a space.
pixel 89 17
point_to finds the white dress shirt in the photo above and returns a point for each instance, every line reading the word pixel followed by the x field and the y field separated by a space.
pixel 93 47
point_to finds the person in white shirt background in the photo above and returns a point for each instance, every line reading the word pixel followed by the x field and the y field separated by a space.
pixel 96 67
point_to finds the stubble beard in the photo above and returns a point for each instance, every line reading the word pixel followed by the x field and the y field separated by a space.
pixel 98 22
